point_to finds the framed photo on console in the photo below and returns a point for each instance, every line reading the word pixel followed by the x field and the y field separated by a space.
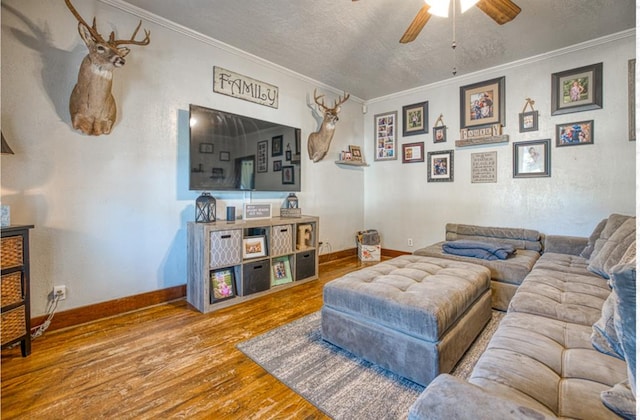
pixel 222 285
pixel 254 247
pixel 280 271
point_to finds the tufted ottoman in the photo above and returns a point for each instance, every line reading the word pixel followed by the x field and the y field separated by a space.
pixel 412 315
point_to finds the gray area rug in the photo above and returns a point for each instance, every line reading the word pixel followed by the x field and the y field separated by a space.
pixel 338 383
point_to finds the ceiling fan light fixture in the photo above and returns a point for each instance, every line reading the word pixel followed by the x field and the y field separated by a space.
pixel 438 7
pixel 466 5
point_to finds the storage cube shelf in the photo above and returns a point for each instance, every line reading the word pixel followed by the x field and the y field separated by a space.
pixel 261 256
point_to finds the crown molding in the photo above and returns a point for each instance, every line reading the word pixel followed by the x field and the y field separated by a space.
pixel 456 80
pixel 190 33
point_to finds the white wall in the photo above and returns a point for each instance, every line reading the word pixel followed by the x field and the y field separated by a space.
pixel 587 183
pixel 110 212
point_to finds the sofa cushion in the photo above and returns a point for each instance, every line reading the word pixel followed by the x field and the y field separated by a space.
pixel 518 237
pixel 624 285
pixel 479 249
pixel 614 221
pixel 588 250
pixel 547 364
pixel 559 287
pixel 613 248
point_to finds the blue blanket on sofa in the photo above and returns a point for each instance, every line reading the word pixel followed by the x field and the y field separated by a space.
pixel 477 249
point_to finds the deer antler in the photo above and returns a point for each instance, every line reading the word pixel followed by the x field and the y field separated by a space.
pixel 145 41
pixel 112 41
pixel 341 100
pixel 317 97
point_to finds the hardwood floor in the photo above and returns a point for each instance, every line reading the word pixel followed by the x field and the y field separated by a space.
pixel 166 361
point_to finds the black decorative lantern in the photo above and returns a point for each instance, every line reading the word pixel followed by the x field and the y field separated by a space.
pixel 205 208
pixel 292 201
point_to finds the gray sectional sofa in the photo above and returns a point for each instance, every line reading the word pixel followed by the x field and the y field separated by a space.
pixel 566 347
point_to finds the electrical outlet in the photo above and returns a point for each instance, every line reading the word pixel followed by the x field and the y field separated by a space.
pixel 410 242
pixel 60 292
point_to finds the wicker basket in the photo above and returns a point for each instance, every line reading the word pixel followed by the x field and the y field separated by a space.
pixel 11 289
pixel 13 325
pixel 11 252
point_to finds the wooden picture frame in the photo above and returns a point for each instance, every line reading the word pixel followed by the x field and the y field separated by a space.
pixel 440 166
pixel 225 156
pixel 440 134
pixel 288 175
pixel 222 284
pixel 413 152
pixel 261 158
pixel 254 247
pixel 483 103
pixel 355 152
pixel 576 90
pixel 528 121
pixel 386 136
pixel 276 146
pixel 415 119
pixel 574 133
pixel 532 159
pixel 281 271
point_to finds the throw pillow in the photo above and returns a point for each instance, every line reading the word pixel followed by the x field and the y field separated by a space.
pixel 613 248
pixel 586 252
pixel 624 285
pixel 604 337
pixel 620 400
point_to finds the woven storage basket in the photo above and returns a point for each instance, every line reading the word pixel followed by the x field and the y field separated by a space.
pixel 11 288
pixel 11 252
pixel 13 325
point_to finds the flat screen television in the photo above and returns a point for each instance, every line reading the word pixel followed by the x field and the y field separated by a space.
pixel 230 152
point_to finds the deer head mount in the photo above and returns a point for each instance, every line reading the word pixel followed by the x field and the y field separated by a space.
pixel 320 141
pixel 92 106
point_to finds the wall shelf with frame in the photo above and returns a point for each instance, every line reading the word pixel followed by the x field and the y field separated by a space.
pixel 351 163
pixel 230 263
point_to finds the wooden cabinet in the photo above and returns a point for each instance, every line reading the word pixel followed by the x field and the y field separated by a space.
pixel 229 263
pixel 16 311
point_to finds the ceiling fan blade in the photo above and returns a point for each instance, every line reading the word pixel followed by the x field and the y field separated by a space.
pixel 502 11
pixel 416 25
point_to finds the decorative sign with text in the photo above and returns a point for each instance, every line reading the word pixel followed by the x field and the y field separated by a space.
pixel 484 167
pixel 233 84
pixel 257 211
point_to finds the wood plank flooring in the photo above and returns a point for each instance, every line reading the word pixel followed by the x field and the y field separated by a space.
pixel 166 361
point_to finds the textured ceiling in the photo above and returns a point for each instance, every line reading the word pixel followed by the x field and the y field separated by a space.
pixel 353 46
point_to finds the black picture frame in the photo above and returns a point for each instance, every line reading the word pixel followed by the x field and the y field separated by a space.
pixel 440 134
pixel 276 146
pixel 528 121
pixel 576 90
pixel 222 284
pixel 288 175
pixel 415 119
pixel 206 148
pixel 532 159
pixel 277 165
pixel 440 166
pixel 483 103
pixel 574 133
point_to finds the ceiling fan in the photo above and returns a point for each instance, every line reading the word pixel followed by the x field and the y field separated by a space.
pixel 501 11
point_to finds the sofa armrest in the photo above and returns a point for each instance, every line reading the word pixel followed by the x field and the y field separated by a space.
pixel 560 244
pixel 448 397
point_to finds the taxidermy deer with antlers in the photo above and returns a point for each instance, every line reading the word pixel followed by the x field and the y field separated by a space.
pixel 92 106
pixel 320 141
